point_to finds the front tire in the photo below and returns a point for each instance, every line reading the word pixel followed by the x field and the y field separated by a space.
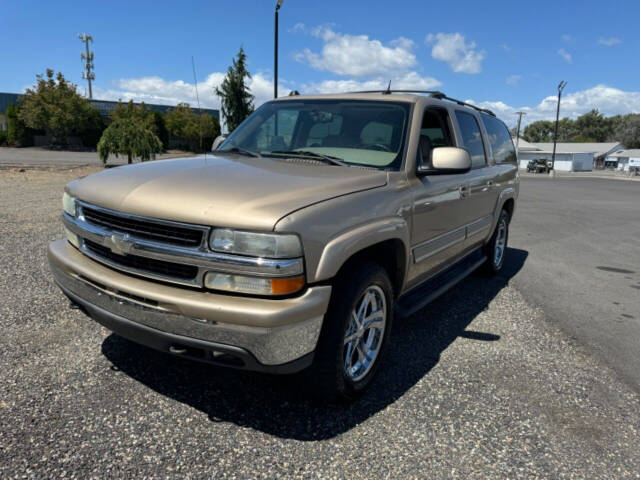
pixel 355 334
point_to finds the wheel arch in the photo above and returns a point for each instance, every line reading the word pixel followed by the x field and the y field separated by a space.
pixel 385 242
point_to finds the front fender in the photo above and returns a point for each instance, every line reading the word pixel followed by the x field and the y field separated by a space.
pixel 346 244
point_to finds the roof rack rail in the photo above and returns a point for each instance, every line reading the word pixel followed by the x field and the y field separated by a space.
pixel 387 91
pixel 434 94
pixel 442 96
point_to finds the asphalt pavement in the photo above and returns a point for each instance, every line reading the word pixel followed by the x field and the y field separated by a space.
pixel 46 158
pixel 583 239
pixel 483 383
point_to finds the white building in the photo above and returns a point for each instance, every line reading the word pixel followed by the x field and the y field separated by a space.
pixel 570 157
pixel 620 159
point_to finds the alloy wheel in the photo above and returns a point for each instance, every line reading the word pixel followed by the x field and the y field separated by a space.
pixel 363 338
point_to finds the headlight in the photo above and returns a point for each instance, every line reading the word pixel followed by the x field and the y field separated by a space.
pixel 68 204
pixel 268 245
pixel 284 249
pixel 253 285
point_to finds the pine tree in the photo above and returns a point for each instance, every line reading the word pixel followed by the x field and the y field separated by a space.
pixel 236 99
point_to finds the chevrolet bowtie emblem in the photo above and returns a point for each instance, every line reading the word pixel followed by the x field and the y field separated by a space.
pixel 119 244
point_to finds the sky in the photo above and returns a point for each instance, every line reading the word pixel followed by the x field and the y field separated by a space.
pixel 506 56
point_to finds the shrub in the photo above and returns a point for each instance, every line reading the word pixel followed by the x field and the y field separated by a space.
pixel 130 138
pixel 18 135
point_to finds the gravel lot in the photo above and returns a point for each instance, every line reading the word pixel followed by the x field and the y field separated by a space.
pixel 477 385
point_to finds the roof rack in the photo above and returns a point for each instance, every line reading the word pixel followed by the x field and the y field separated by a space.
pixel 434 94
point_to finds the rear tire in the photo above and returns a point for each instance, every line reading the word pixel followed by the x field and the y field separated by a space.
pixel 350 349
pixel 496 249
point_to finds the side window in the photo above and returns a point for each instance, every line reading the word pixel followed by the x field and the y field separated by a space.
pixel 499 139
pixel 471 138
pixel 434 132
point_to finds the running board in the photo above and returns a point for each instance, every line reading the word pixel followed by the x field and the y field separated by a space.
pixel 425 293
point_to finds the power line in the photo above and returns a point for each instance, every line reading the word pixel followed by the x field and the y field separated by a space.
pixel 87 58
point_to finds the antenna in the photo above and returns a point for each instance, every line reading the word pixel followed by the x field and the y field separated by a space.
pixel 87 58
pixel 388 90
pixel 195 80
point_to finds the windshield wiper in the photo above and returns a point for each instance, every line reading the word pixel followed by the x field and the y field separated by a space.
pixel 240 150
pixel 314 155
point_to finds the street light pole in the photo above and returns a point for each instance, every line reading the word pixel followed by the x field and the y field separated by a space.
pixel 520 114
pixel 561 86
pixel 275 52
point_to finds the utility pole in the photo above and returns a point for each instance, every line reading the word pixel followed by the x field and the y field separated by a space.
pixel 561 86
pixel 520 114
pixel 87 58
pixel 275 52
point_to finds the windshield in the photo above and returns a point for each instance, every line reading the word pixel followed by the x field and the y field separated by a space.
pixel 368 133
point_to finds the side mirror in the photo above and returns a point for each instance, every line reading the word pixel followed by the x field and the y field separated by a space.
pixel 216 143
pixel 446 161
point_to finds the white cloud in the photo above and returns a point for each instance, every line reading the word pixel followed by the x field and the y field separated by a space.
pixel 609 42
pixel 566 56
pixel 298 27
pixel 358 55
pixel 513 79
pixel 453 49
pixel 608 100
pixel 166 92
pixel 566 38
pixel 407 81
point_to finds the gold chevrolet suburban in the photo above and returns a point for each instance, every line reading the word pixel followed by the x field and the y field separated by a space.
pixel 294 243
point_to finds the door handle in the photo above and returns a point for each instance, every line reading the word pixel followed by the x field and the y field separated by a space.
pixel 464 191
pixel 489 183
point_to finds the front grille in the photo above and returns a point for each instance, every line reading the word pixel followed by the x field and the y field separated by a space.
pixel 143 264
pixel 159 232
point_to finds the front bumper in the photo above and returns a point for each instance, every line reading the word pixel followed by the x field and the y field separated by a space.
pixel 277 335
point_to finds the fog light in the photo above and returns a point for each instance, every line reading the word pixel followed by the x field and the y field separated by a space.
pixel 253 285
pixel 72 237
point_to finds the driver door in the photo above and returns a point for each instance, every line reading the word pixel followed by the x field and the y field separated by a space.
pixel 439 208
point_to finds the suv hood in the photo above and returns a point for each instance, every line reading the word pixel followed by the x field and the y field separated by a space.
pixel 231 191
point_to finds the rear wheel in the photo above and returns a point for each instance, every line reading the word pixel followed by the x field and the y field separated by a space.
pixel 355 333
pixel 496 248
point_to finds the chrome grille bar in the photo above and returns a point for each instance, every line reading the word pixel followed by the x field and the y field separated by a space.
pixel 199 257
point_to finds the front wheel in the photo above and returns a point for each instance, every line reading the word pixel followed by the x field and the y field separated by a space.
pixel 354 335
pixel 496 248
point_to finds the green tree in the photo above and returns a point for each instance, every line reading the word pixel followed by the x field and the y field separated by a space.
pixel 139 113
pixel 236 99
pixel 131 138
pixel 94 130
pixel 190 127
pixel 566 130
pixel 540 131
pixel 592 127
pixel 18 135
pixel 55 106
pixel 626 130
pixel 160 129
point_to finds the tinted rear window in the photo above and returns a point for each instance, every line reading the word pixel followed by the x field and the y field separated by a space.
pixel 499 139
